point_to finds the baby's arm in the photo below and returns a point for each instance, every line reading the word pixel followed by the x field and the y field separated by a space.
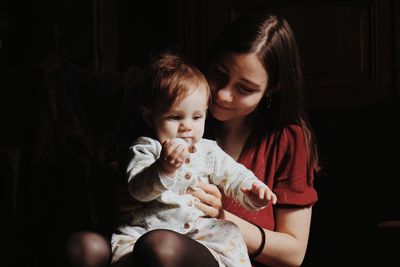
pixel 152 169
pixel 147 178
pixel 143 180
pixel 240 183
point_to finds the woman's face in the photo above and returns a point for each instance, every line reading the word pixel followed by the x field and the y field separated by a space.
pixel 238 82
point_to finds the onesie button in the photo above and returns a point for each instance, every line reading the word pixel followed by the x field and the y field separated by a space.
pixel 188 176
pixel 186 225
pixel 187 160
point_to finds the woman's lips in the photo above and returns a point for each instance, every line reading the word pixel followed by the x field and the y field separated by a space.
pixel 219 106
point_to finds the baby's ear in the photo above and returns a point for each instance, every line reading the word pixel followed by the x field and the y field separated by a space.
pixel 147 116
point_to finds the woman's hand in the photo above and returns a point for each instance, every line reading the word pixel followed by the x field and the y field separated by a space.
pixel 210 199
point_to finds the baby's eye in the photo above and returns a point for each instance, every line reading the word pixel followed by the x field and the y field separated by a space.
pixel 197 117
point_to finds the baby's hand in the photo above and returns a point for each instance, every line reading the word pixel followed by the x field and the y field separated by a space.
pixel 173 154
pixel 260 194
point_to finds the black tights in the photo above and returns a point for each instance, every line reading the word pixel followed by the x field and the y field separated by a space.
pixel 88 249
pixel 165 248
pixel 161 248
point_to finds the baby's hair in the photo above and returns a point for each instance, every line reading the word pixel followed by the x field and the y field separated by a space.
pixel 169 78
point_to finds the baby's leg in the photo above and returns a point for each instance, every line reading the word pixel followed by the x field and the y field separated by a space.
pixel 224 240
pixel 164 248
pixel 122 246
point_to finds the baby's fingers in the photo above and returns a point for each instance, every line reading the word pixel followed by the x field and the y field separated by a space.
pixel 270 196
pixel 184 154
pixel 264 193
pixel 261 191
pixel 258 190
pixel 245 190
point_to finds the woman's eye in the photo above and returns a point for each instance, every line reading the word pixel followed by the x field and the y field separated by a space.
pixel 245 90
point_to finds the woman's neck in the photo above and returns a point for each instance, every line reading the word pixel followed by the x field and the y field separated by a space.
pixel 233 135
pixel 236 127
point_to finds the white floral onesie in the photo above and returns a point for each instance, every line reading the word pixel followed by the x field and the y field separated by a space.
pixel 168 206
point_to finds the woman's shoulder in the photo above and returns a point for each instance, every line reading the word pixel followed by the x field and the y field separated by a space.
pixel 290 142
pixel 287 134
pixel 288 139
pixel 293 132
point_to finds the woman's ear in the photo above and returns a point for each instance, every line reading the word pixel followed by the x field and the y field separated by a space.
pixel 270 91
pixel 147 116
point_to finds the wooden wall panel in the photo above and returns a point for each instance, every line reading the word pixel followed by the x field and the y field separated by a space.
pixel 396 32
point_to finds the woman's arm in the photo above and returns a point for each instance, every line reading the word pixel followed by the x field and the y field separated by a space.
pixel 287 245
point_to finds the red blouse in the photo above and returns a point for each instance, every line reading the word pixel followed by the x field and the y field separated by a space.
pixel 280 161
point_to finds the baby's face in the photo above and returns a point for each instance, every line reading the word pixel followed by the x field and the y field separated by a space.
pixel 184 119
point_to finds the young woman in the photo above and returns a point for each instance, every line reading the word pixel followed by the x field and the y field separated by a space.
pixel 258 118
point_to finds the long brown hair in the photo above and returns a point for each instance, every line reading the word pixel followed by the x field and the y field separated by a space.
pixel 271 38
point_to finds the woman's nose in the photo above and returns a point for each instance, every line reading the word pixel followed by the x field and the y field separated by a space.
pixel 225 94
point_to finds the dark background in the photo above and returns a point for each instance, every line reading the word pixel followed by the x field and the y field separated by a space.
pixel 351 56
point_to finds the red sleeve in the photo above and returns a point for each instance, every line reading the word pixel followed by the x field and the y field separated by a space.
pixel 292 184
pixel 279 160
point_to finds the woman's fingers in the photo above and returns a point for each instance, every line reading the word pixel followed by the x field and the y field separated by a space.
pixel 209 194
pixel 210 189
pixel 209 210
pixel 210 199
pixel 207 199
